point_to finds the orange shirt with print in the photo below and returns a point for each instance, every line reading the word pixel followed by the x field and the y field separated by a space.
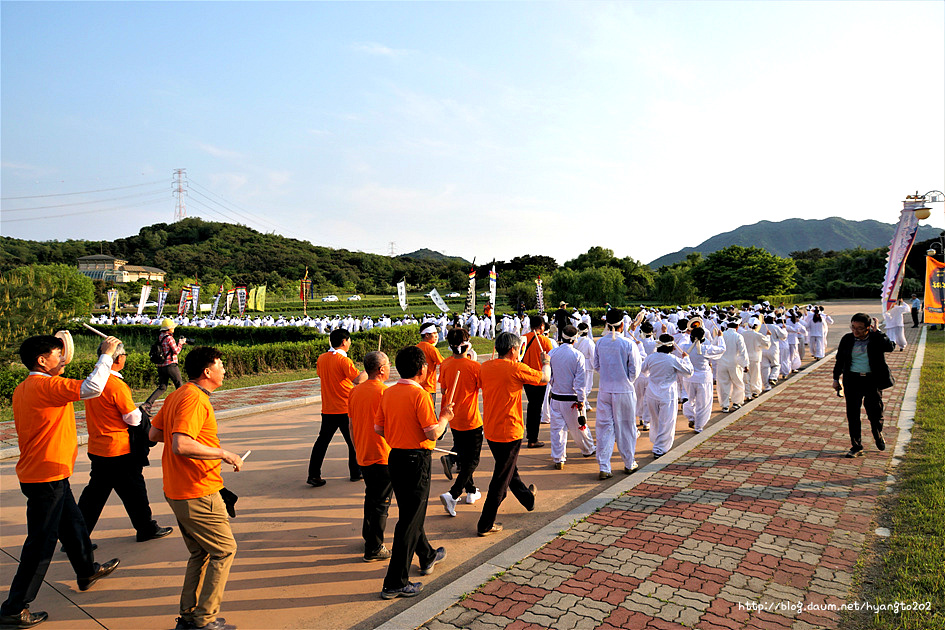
pixel 108 432
pixel 405 411
pixel 187 410
pixel 502 382
pixel 434 358
pixel 532 358
pixel 363 404
pixel 336 372
pixel 45 427
pixel 466 399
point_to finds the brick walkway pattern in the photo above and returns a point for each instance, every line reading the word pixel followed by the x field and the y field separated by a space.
pixel 766 512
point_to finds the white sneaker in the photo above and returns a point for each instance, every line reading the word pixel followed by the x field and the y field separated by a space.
pixel 449 503
pixel 472 498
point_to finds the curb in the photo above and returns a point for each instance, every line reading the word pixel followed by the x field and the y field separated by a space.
pixel 433 605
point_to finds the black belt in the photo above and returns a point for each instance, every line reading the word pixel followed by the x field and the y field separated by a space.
pixel 860 373
pixel 563 397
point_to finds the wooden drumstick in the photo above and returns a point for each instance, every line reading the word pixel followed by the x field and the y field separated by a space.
pixel 453 391
pixel 97 332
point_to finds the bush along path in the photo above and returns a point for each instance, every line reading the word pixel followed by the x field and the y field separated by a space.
pixel 758 526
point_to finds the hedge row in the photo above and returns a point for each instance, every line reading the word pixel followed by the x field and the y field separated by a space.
pixel 240 360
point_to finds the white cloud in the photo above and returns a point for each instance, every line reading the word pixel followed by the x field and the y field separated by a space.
pixel 217 152
pixel 374 48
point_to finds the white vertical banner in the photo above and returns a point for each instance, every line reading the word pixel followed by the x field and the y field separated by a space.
pixel 195 297
pixel 440 304
pixel 145 292
pixel 899 248
pixel 402 294
pixel 493 282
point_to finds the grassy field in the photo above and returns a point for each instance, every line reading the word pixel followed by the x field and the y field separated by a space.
pixel 909 566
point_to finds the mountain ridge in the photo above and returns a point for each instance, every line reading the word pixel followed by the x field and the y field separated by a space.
pixel 790 235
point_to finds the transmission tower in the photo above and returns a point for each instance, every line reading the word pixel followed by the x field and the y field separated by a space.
pixel 180 183
pixel 393 248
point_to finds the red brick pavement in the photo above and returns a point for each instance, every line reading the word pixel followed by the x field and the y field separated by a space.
pixel 766 512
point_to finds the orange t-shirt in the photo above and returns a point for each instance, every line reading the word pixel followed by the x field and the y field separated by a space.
pixel 187 410
pixel 45 427
pixel 466 399
pixel 336 372
pixel 532 358
pixel 363 404
pixel 434 358
pixel 502 382
pixel 108 432
pixel 405 411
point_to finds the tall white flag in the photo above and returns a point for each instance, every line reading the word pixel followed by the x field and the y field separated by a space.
pixel 440 304
pixel 402 294
pixel 145 292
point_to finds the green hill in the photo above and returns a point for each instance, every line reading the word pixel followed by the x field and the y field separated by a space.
pixel 791 235
pixel 429 254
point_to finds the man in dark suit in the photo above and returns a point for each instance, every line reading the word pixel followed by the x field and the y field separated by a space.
pixel 861 364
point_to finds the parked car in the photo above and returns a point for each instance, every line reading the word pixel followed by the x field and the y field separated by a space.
pixel 354 298
pixel 330 298
pixel 150 304
pixel 453 294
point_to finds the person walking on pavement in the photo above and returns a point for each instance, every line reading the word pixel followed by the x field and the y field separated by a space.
pixel 568 399
pixel 461 371
pixel 168 368
pixel 502 379
pixel 338 377
pixel 916 307
pixel 537 345
pixel 407 420
pixel 662 393
pixel 372 452
pixel 114 466
pixel 618 361
pixel 861 371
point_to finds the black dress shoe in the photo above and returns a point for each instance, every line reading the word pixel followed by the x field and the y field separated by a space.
pixel 159 532
pixel 447 466
pixel 880 441
pixel 316 482
pixel 24 619
pixel 217 624
pixel 101 571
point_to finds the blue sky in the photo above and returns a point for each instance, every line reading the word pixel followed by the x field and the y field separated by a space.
pixel 477 129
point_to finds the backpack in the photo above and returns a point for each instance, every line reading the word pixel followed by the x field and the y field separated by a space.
pixel 156 353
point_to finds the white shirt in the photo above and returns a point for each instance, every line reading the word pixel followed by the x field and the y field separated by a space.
pixel 662 369
pixel 567 372
pixel 618 362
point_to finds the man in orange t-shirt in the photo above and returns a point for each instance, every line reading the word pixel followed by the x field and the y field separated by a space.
pixel 536 345
pixel 428 338
pixel 114 467
pixel 407 420
pixel 338 377
pixel 372 451
pixel 461 371
pixel 46 434
pixel 191 464
pixel 502 380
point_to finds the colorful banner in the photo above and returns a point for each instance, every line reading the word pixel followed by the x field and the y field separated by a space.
pixel 304 287
pixel 241 299
pixel 540 296
pixel 145 292
pixel 493 282
pixel 162 299
pixel 440 304
pixel 195 297
pixel 402 293
pixel 216 303
pixel 470 306
pixel 112 302
pixel 184 300
pixel 229 300
pixel 902 241
pixel 261 299
pixel 934 291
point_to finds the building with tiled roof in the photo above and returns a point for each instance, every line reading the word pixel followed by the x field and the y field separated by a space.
pixel 111 269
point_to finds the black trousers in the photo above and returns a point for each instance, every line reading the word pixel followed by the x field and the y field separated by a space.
pixel 165 373
pixel 915 318
pixel 332 422
pixel 504 478
pixel 535 394
pixel 468 446
pixel 51 514
pixel 410 476
pixel 862 391
pixel 123 475
pixel 377 493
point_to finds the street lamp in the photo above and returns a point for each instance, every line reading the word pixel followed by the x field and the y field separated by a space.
pixel 920 203
pixel 931 251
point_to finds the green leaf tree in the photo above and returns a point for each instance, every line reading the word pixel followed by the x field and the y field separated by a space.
pixel 743 272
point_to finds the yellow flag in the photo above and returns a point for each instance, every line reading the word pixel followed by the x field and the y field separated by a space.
pixel 251 300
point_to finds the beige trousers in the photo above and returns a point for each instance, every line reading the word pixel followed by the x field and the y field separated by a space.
pixel 205 528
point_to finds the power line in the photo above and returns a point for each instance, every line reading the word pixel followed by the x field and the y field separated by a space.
pixel 83 192
pixel 97 210
pixel 228 203
pixel 86 203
